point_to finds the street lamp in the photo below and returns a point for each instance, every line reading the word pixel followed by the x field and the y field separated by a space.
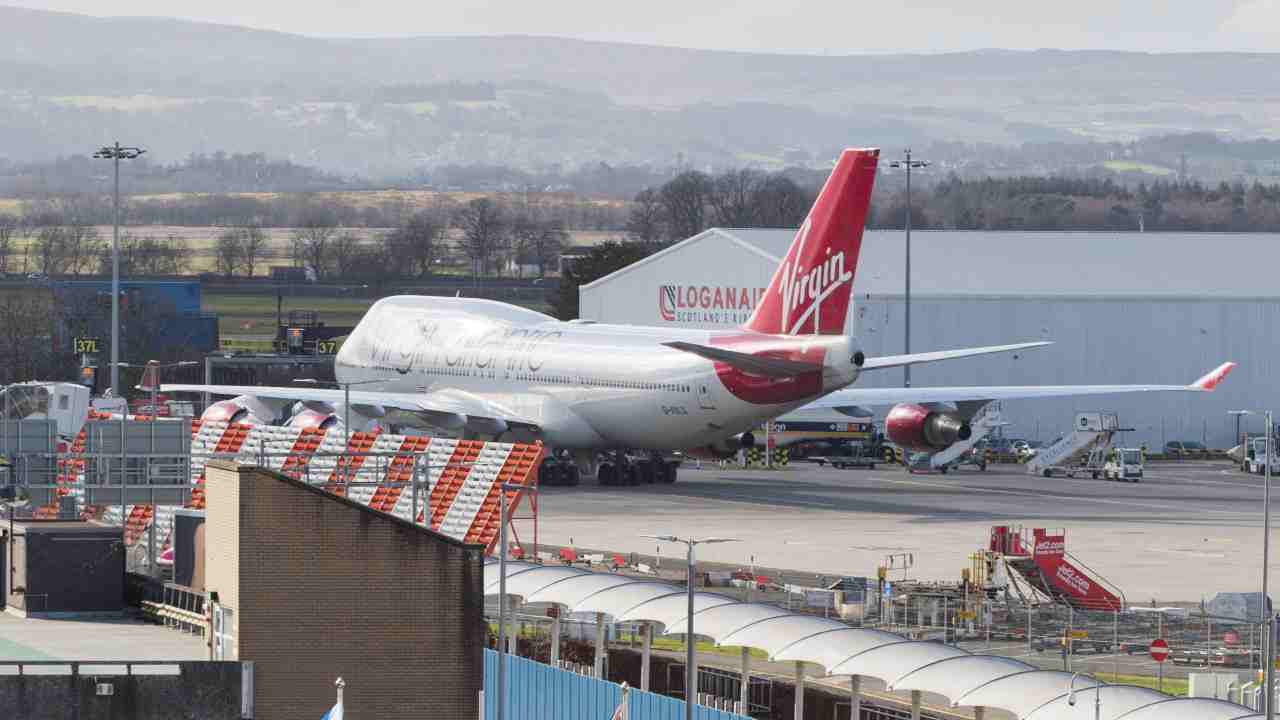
pixel 1268 631
pixel 116 153
pixel 691 674
pixel 908 164
pixel 1097 697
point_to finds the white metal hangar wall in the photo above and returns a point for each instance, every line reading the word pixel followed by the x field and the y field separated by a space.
pixel 1122 308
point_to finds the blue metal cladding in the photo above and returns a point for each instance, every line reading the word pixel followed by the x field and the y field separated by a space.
pixel 541 692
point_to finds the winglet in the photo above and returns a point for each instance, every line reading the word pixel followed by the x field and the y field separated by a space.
pixel 1213 377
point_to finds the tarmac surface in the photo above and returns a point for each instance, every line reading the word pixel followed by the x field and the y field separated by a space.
pixel 1188 531
pixel 31 639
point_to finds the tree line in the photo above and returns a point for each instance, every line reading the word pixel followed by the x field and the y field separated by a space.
pixel 485 236
pixel 1074 203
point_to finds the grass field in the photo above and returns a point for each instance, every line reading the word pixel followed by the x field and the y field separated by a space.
pixel 254 316
pixel 1131 166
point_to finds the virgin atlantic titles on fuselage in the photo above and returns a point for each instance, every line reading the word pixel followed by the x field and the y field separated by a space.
pixel 490 368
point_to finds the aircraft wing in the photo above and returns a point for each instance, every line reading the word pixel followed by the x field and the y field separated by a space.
pixel 449 402
pixel 892 361
pixel 892 396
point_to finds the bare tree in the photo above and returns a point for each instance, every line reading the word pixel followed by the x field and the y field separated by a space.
pixel 647 220
pixel 253 242
pixel 685 200
pixel 780 203
pixel 419 242
pixel 228 254
pixel 311 240
pixel 732 198
pixel 50 250
pixel 548 244
pixel 343 252
pixel 8 237
pixel 145 256
pixel 484 234
pixel 83 244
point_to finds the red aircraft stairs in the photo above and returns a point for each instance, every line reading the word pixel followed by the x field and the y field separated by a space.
pixel 1038 559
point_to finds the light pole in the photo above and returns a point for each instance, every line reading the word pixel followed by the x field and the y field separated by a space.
pixel 1097 697
pixel 1268 631
pixel 690 665
pixel 502 595
pixel 908 164
pixel 116 153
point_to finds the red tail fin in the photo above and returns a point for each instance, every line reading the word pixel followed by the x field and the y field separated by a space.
pixel 810 291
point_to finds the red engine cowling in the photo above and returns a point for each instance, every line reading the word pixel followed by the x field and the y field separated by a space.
pixel 310 418
pixel 915 427
pixel 230 411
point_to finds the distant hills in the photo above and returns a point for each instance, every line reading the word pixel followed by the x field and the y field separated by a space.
pixel 68 82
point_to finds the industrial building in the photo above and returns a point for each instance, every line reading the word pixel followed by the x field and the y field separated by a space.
pixel 1122 308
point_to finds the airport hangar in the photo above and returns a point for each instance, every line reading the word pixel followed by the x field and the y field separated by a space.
pixel 1122 307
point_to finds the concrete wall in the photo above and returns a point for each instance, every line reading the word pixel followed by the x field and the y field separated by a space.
pixel 323 587
pixel 209 691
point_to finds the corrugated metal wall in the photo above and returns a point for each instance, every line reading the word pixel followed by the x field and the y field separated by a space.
pixel 541 692
pixel 1098 341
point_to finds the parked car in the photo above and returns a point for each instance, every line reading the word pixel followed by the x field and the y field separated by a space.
pixel 1185 448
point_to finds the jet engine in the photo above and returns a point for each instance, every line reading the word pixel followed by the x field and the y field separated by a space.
pixel 312 418
pixel 242 409
pixel 915 427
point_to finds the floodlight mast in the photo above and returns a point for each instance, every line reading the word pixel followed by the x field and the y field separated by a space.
pixel 116 153
pixel 908 164
pixel 691 675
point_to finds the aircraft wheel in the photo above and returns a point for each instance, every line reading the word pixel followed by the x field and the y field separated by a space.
pixel 572 476
pixel 648 472
pixel 672 470
pixel 631 474
pixel 605 475
pixel 1047 473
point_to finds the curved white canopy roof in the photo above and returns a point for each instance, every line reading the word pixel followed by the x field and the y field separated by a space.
pixel 962 678
pixel 723 620
pixel 780 631
pixel 890 662
pixel 1116 700
pixel 525 584
pixel 618 599
pixel 831 648
pixel 569 591
pixel 670 609
pixel 1023 692
pixel 1185 708
pixel 952 676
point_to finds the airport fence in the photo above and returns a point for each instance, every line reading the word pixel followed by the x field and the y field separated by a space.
pixel 542 692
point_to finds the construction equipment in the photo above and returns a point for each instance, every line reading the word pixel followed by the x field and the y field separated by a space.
pixel 1082 451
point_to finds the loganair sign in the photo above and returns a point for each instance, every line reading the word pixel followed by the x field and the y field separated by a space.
pixel 707 304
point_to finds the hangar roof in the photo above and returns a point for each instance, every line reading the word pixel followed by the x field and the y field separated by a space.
pixel 975 263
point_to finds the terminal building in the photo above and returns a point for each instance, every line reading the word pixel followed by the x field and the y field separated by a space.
pixel 1121 307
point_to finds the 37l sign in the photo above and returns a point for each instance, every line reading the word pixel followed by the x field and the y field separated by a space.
pixel 1159 650
pixel 86 345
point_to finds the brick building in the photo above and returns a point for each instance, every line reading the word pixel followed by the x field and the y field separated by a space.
pixel 320 587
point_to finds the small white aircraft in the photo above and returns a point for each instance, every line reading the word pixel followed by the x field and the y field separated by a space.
pixel 491 368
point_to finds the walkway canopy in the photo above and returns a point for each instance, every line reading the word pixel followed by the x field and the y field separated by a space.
pixel 963 678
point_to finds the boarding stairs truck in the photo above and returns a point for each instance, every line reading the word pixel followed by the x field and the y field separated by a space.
pixel 1083 450
pixel 1038 566
pixel 983 424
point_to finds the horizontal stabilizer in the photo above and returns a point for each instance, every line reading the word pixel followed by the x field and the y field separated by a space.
pixel 892 361
pixel 753 364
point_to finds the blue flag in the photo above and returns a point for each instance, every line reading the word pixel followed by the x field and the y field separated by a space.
pixel 335 713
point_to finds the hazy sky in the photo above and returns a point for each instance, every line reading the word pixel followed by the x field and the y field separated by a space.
pixel 839 27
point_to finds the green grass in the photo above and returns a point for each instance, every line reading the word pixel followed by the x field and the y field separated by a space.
pixel 1131 166
pixel 255 315
pixel 672 645
pixel 1172 686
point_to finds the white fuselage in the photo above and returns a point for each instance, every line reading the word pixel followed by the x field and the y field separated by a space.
pixel 582 385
